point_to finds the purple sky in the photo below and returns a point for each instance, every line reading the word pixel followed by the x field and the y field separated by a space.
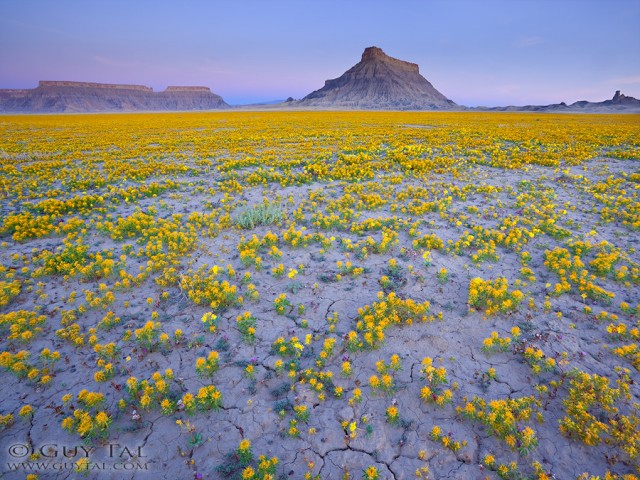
pixel 476 52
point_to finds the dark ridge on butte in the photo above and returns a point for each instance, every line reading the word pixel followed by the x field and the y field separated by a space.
pixel 79 97
pixel 381 82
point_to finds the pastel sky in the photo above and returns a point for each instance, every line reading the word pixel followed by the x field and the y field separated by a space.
pixel 476 52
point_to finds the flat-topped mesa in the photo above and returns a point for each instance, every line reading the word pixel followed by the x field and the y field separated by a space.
pixel 375 54
pixel 188 89
pixel 109 86
pixel 66 96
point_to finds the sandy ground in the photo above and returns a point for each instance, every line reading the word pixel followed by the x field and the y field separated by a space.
pixel 574 199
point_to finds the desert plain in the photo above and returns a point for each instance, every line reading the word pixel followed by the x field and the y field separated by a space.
pixel 327 295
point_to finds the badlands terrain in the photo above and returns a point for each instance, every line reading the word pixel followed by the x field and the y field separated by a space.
pixel 375 295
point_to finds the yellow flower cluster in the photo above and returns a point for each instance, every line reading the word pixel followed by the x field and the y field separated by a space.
pixel 621 331
pixel 511 471
pixel 6 421
pixel 571 270
pixel 82 204
pixel 346 368
pixel 435 379
pixel 593 413
pixel 281 303
pixel 159 233
pixel 287 348
pixel 150 337
pixel 374 319
pixel 247 323
pixel 105 373
pixel 385 383
pixel 244 451
pixel 297 238
pixel 630 351
pixel 493 295
pixel 210 321
pixel 265 469
pixel 361 249
pixel 49 358
pixel 348 268
pixel 495 343
pixel 151 393
pixel 96 301
pixel 503 417
pixel 327 350
pixel 604 262
pixel 26 411
pixel 301 412
pixel 8 291
pixel 204 288
pixel 278 271
pixel 371 473
pixel 392 414
pixel 607 476
pixel 90 399
pixel 109 321
pixel 23 325
pixel 394 364
pixel 320 381
pixel 445 440
pixel 18 364
pixel 25 226
pixel 248 250
pixel 538 361
pixel 208 398
pixel 428 242
pixel 87 425
pixel 89 422
pixel 206 367
pixel 75 259
pixel 72 332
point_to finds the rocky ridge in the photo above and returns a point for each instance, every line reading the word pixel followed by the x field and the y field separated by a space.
pixel 620 103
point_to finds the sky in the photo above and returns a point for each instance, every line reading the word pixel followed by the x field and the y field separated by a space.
pixel 476 52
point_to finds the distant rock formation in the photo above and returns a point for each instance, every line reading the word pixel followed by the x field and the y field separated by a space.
pixel 77 97
pixel 619 103
pixel 378 82
pixel 621 100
